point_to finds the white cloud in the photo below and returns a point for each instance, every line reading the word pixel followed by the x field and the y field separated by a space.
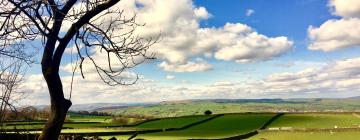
pixel 343 75
pixel 249 12
pixel 170 77
pixel 337 34
pixel 182 38
pixel 345 8
pixel 191 66
pixel 254 47
pixel 337 78
pixel 202 13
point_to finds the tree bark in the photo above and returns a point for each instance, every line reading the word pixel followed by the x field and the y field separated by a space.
pixel 59 106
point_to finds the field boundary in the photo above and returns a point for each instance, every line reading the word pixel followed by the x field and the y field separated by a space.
pixel 150 120
pixel 316 130
pixel 249 134
pixel 274 118
pixel 176 129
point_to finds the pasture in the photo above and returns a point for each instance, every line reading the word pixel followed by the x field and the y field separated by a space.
pixel 317 126
pixel 224 126
pixel 329 135
pixel 317 120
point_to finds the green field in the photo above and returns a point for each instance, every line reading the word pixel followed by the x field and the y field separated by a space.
pixel 228 125
pixel 310 126
pixel 346 135
pixel 316 120
pixel 171 122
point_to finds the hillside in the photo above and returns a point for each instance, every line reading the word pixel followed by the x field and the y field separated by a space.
pixel 197 107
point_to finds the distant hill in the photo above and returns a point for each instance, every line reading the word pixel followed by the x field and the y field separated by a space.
pixel 356 97
pixel 98 106
pixel 196 107
pixel 104 106
pixel 191 107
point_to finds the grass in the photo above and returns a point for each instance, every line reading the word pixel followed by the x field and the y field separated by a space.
pixel 346 135
pixel 89 118
pixel 316 120
pixel 86 130
pixel 74 121
pixel 172 122
pixel 221 127
pixel 228 125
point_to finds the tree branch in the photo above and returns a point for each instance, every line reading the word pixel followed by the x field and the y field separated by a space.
pixel 76 26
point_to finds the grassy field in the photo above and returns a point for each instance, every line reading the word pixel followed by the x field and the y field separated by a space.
pixel 317 120
pixel 236 124
pixel 347 135
pixel 171 122
pixel 89 118
pixel 303 126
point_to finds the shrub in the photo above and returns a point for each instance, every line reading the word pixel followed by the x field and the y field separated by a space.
pixel 120 120
pixel 207 112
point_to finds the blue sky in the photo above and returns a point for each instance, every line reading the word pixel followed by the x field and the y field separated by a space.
pixel 216 49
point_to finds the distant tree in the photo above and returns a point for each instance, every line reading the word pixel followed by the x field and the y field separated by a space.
pixel 207 112
pixel 44 113
pixel 84 113
pixel 120 120
pixel 94 113
pixel 94 24
pixel 11 76
pixel 29 113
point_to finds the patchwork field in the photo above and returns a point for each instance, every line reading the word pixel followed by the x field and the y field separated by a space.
pixel 317 126
pixel 236 124
pixel 171 122
pixel 223 106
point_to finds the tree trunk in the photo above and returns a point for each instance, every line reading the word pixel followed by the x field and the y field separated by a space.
pixel 59 106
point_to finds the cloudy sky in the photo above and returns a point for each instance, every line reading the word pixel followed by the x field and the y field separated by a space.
pixel 231 49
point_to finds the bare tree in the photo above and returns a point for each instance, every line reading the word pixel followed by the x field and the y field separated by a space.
pixel 94 24
pixel 11 76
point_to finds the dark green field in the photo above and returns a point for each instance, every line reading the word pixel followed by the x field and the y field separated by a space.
pixel 236 124
pixel 171 122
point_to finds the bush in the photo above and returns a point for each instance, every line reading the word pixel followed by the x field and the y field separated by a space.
pixel 207 112
pixel 120 120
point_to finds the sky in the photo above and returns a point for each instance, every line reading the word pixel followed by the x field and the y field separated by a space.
pixel 229 49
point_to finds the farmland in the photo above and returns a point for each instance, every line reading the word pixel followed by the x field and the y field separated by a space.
pixel 253 126
pixel 237 124
pixel 299 121
pixel 251 119
pixel 196 107
pixel 344 135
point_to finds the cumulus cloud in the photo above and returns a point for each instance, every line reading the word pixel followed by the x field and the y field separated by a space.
pixel 345 8
pixel 202 13
pixel 191 66
pixel 337 34
pixel 336 78
pixel 254 47
pixel 182 38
